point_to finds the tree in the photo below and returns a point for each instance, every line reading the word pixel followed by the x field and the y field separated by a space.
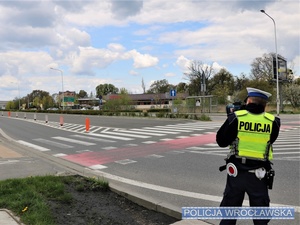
pixel 259 84
pixel 82 94
pixel 240 82
pixel 105 89
pixel 10 105
pixel 47 102
pixel 38 93
pixel 122 101
pixel 36 102
pixel 221 85
pixel 38 97
pixel 160 86
pixel 182 87
pixel 291 93
pixel 199 74
pixel 262 67
pixel 123 91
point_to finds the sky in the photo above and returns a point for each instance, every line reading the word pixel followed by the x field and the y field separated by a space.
pixel 123 42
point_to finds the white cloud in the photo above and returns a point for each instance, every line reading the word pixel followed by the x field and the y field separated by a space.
pixel 116 47
pixel 133 72
pixel 142 60
pixel 183 63
pixel 17 63
pixel 170 75
pixel 90 58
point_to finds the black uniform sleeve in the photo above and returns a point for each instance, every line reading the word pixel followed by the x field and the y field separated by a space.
pixel 228 131
pixel 275 130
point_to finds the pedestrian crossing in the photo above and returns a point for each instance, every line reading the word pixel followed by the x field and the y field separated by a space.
pixel 286 147
pixel 122 134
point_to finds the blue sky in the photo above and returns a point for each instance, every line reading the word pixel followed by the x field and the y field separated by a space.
pixel 122 42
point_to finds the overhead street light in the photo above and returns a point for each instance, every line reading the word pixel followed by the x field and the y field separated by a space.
pixel 62 85
pixel 276 55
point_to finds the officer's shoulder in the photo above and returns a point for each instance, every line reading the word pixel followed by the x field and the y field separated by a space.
pixel 269 116
pixel 242 112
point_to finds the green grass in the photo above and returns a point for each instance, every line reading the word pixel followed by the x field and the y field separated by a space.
pixel 28 197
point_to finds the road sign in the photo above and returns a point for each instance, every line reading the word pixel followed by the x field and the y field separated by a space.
pixel 281 67
pixel 172 93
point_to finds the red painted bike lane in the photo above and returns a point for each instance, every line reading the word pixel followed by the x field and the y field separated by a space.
pixel 107 156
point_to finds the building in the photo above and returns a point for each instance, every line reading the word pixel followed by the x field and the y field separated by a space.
pixel 3 104
pixel 140 101
pixel 67 99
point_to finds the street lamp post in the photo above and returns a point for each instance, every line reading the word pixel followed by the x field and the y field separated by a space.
pixel 62 85
pixel 276 55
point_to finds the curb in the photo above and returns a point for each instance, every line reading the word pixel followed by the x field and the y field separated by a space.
pixel 157 206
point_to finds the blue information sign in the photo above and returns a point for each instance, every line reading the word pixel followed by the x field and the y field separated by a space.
pixel 172 93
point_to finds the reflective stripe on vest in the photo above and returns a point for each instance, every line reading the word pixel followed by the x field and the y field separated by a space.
pixel 254 131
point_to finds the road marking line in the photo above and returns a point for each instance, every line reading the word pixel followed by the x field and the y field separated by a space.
pixel 53 143
pixel 131 145
pixel 163 128
pixel 166 139
pixel 59 155
pixel 94 130
pixel 82 151
pixel 98 167
pixel 175 152
pixel 110 136
pixel 154 156
pixel 125 161
pixel 9 162
pixel 92 138
pixel 128 135
pixel 37 147
pixel 74 141
pixel 138 132
pixel 212 145
pixel 149 142
pixel 109 148
pixel 283 153
pixel 156 130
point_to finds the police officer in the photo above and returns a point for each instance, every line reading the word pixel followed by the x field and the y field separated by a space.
pixel 250 133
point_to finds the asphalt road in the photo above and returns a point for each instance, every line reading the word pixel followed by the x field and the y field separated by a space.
pixel 176 160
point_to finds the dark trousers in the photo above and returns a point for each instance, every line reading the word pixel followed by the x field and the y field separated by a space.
pixel 236 187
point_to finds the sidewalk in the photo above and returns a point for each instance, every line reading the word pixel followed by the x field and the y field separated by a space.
pixel 7 218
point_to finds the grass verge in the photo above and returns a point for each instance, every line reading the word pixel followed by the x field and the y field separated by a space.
pixel 28 197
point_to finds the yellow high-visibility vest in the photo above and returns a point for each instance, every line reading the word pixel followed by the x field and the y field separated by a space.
pixel 254 131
